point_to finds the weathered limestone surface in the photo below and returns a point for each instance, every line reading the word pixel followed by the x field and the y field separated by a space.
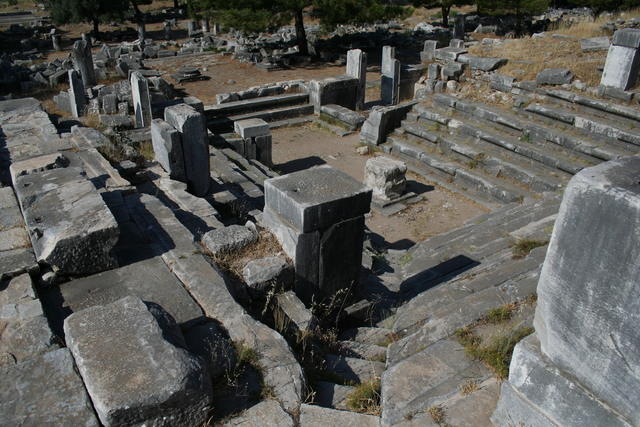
pixel 350 118
pixel 77 100
pixel 585 319
pixel 281 370
pixel 156 381
pixel 535 381
pixel 16 254
pixel 623 60
pixel 46 390
pixel 167 146
pixel 595 44
pixel 260 274
pixel 357 67
pixel 251 127
pixel 212 344
pixel 341 90
pixel 316 198
pixel 83 62
pixel 70 226
pixel 141 99
pixel 228 239
pixel 390 79
pixel 195 146
pixel 295 314
pixel 383 120
pixel 554 76
pixel 265 413
pixel 311 415
pixel 386 177
pixel 150 280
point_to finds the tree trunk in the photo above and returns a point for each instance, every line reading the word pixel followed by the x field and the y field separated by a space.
pixel 176 4
pixel 445 15
pixel 301 34
pixel 96 29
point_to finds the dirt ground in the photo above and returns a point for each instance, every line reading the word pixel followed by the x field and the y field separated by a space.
pixel 440 210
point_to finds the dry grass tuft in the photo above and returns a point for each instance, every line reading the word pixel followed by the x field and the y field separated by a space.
pixel 233 263
pixel 468 387
pixel 366 398
pixel 437 414
pixel 523 247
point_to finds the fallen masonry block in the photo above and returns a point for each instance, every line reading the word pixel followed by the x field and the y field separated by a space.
pixel 45 390
pixel 311 415
pixel 167 146
pixel 70 226
pixel 341 90
pixel 345 117
pixel 263 273
pixel 382 120
pixel 595 44
pixel 554 76
pixel 256 141
pixel 292 316
pixel 265 413
pixel 386 177
pixel 228 239
pixel 157 382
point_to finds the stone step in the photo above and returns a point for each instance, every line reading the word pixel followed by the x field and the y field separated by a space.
pixel 494 271
pixel 332 395
pixel 225 124
pixel 597 106
pixel 255 104
pixel 491 187
pixel 592 123
pixel 444 321
pixel 296 121
pixel 504 127
pixel 492 159
pixel 364 351
pixel 546 153
pixel 353 370
pixel 427 379
pixel 367 335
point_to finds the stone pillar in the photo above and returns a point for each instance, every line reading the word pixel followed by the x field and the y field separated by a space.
pixel 167 30
pixel 216 29
pixel 428 51
pixel 167 147
pixel 318 216
pixel 390 83
pixel 55 42
pixel 195 145
pixel 357 67
pixel 83 61
pixel 582 366
pixel 458 27
pixel 623 60
pixel 191 28
pixel 141 99
pixel 142 33
pixel 257 140
pixel 205 26
pixel 77 98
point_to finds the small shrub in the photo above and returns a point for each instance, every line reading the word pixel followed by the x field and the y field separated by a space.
pixel 146 150
pixel 500 314
pixel 366 398
pixel 468 387
pixel 389 339
pixel 406 259
pixel 523 247
pixel 437 414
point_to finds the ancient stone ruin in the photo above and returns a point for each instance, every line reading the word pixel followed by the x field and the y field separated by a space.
pixel 408 226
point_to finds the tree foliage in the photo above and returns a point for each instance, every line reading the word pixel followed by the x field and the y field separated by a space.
pixel 444 5
pixel 254 16
pixel 91 11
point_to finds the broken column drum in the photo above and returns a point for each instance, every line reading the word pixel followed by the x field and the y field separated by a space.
pixel 318 217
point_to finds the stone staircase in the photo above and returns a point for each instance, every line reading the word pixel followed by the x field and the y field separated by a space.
pixel 497 157
pixel 446 283
pixel 277 110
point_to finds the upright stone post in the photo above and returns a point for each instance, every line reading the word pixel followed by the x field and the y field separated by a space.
pixel 55 42
pixel 191 28
pixel 141 99
pixel 428 51
pixel 167 147
pixel 357 67
pixel 167 30
pixel 458 27
pixel 257 140
pixel 390 84
pixel 216 29
pixel 77 99
pixel 318 216
pixel 142 32
pixel 205 26
pixel 83 61
pixel 195 147
pixel 623 60
pixel 582 366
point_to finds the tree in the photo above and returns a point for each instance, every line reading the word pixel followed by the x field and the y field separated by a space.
pixel 91 11
pixel 253 16
pixel 444 5
pixel 520 8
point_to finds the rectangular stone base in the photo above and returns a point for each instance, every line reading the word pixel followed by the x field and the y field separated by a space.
pixel 540 394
